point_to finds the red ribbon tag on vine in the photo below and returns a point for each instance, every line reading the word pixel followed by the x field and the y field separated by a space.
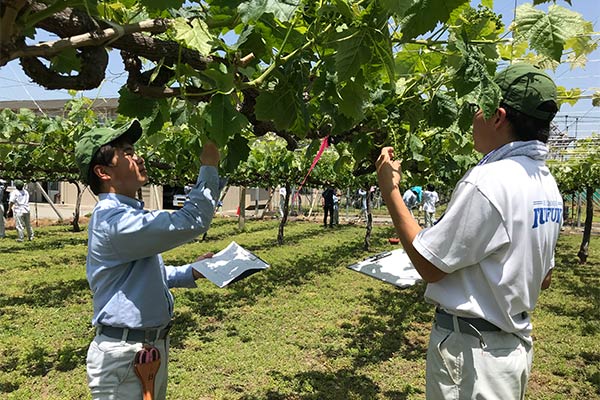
pixel 324 145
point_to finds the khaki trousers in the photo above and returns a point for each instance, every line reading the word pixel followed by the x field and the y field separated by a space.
pixel 459 368
pixel 111 374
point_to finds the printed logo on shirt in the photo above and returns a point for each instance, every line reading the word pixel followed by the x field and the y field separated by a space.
pixel 546 211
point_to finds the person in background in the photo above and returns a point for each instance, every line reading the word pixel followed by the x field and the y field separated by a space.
pixel 282 194
pixel 18 202
pixel 410 200
pixel 336 208
pixel 327 202
pixel 430 198
pixel 2 221
pixel 363 203
pixel 488 258
pixel 130 282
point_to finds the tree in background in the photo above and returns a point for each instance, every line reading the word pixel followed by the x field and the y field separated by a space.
pixel 579 171
pixel 370 73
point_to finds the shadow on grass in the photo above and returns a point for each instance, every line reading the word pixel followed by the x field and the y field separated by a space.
pixel 289 273
pixel 397 327
pixel 43 243
pixel 38 361
pixel 55 294
pixel 316 385
pixel 228 228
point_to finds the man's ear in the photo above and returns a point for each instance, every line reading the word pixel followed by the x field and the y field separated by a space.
pixel 500 117
pixel 101 172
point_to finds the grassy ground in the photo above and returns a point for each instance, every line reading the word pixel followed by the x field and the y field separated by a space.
pixel 307 328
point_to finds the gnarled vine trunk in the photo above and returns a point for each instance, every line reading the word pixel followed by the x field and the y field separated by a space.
pixel 76 227
pixel 367 244
pixel 587 229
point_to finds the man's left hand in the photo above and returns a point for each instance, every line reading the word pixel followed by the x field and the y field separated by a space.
pixel 198 275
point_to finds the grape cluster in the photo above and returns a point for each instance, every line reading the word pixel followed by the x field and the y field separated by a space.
pixel 482 13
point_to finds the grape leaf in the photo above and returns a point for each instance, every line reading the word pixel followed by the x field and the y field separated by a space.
pixel 547 32
pixel 194 34
pixel 352 51
pixel 252 10
pixel 222 120
pixel 443 110
pixel 424 15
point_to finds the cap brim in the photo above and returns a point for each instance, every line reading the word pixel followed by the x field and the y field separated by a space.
pixel 133 131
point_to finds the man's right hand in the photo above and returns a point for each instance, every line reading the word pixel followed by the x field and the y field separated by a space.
pixel 210 154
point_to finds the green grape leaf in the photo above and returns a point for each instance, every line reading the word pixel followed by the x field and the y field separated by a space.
pixel 490 96
pixel 353 95
pixel 353 50
pixel 415 58
pixel 415 144
pixel 397 7
pixel 443 110
pixel 312 149
pixel 238 151
pixel 465 118
pixel 513 51
pixel 547 32
pixel 194 34
pixel 596 99
pixel 424 15
pixel 342 163
pixel 135 106
pixel 221 79
pixel 252 10
pixel 278 106
pixel 161 4
pixel 222 119
pixel 569 96
pixel 361 146
pixel 65 62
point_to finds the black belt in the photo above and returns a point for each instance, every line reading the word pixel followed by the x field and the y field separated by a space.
pixel 470 326
pixel 135 335
pixel 444 320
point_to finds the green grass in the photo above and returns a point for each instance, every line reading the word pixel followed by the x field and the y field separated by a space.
pixel 306 328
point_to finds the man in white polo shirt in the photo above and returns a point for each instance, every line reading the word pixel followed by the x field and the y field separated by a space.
pixel 492 252
pixel 19 203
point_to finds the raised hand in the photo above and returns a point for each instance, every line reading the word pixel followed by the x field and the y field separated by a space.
pixel 389 171
pixel 210 154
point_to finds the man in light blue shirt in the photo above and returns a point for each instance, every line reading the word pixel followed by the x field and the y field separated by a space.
pixel 130 283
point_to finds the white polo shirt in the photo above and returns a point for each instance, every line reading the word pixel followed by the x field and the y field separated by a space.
pixel 496 241
pixel 20 200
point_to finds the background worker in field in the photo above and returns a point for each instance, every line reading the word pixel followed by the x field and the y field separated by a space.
pixel 492 252
pixel 18 202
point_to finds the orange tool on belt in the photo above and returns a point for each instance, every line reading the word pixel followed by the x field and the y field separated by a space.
pixel 147 363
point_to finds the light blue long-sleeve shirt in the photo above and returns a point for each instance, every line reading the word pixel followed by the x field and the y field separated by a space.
pixel 129 280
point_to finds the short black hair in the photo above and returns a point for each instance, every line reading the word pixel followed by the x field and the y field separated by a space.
pixel 104 156
pixel 529 128
pixel 430 187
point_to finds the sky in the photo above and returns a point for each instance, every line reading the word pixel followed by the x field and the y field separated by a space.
pixel 579 120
